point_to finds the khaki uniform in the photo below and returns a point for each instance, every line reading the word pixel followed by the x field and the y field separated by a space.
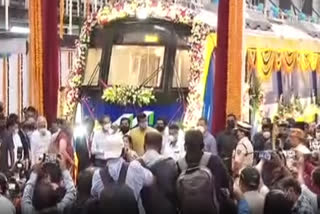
pixel 242 156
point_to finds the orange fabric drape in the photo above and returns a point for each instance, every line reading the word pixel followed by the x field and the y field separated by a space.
pixel 234 57
pixel 36 55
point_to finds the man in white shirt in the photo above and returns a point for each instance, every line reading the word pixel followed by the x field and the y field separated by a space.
pixel 174 147
pixel 136 176
pixel 100 142
pixel 243 154
pixel 298 138
pixel 40 140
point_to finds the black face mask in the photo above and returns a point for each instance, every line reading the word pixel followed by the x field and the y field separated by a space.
pixel 231 124
pixel 160 128
pixel 124 129
pixel 283 135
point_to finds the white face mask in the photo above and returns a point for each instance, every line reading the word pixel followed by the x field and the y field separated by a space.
pixel 107 126
pixel 43 131
pixel 201 129
pixel 143 125
pixel 318 135
pixel 16 131
pixel 173 138
pixel 266 134
pixel 29 133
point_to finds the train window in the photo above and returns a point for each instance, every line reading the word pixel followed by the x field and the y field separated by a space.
pixel 181 69
pixel 92 70
pixel 136 65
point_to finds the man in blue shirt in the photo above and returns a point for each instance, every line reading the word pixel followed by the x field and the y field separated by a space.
pixel 210 144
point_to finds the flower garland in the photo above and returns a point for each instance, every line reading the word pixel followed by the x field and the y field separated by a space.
pixel 143 9
pixel 36 54
pixel 76 75
pixel 128 95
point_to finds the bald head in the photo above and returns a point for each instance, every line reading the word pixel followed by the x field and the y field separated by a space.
pixel 41 122
pixel 153 140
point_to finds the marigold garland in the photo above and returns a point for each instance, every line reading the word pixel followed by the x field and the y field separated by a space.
pixel 36 54
pixel 155 9
pixel 61 13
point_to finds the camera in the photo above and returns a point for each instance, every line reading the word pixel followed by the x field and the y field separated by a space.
pixel 50 158
pixel 265 155
pixel 20 169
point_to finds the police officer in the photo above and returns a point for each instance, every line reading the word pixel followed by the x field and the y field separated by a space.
pixel 243 154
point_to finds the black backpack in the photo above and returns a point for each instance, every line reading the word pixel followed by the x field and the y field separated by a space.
pixel 160 197
pixel 117 197
pixel 196 188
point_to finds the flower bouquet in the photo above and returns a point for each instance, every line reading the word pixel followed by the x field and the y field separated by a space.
pixel 128 95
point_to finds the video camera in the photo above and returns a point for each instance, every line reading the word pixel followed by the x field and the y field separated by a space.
pixel 50 158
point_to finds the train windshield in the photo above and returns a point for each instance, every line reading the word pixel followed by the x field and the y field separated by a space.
pixel 137 59
pixel 92 69
pixel 181 69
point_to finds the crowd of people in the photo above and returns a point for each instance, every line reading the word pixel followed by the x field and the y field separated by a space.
pixel 157 170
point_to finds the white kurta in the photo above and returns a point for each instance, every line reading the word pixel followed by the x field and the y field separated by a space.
pixel 39 145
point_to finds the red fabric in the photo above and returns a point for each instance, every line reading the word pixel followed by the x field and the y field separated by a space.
pixel 221 71
pixel 56 145
pixel 309 167
pixel 51 58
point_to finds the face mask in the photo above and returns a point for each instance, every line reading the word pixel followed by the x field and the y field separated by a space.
pixel 201 129
pixel 43 131
pixel 173 138
pixel 231 124
pixel 124 129
pixel 266 134
pixel 29 133
pixel 143 125
pixel 160 128
pixel 318 135
pixel 16 131
pixel 106 127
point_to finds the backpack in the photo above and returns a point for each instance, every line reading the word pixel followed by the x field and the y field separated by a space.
pixel 117 197
pixel 160 197
pixel 196 188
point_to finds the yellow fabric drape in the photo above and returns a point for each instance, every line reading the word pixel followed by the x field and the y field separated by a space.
pixel 278 60
pixel 265 63
pixel 288 61
pixel 36 55
pixel 251 59
pixel 211 43
pixel 318 64
pixel 235 47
